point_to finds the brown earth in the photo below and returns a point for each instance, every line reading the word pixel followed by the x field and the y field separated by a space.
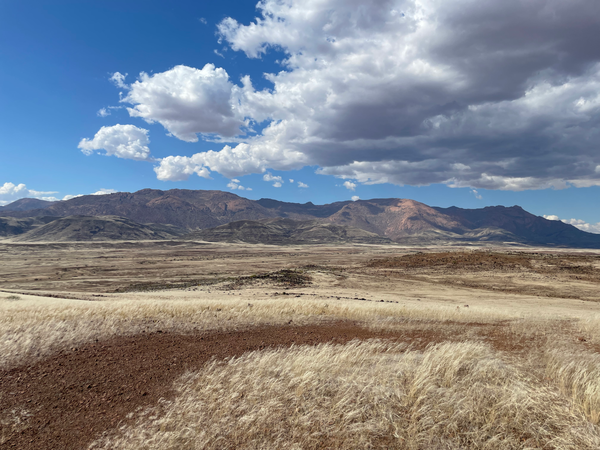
pixel 76 395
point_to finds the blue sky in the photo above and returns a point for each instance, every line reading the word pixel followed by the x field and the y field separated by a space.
pixel 419 99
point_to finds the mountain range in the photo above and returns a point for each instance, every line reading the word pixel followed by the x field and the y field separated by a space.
pixel 400 220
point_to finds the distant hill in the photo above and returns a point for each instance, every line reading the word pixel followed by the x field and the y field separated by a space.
pixel 26 204
pixel 286 231
pixel 401 220
pixel 92 228
pixel 526 227
pixel 12 226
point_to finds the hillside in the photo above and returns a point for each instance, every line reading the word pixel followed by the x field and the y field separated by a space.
pixel 286 231
pixel 524 225
pixel 401 220
pixel 92 228
pixel 12 226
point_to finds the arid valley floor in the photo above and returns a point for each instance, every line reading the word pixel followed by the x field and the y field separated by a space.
pixel 192 345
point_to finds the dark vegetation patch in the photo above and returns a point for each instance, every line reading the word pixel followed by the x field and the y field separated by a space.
pixel 151 286
pixel 472 261
pixel 287 278
pixel 579 267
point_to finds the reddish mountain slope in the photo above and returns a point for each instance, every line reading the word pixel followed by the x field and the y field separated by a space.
pixel 401 220
pixel 394 218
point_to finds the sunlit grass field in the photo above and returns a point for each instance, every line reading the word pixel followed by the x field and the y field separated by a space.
pixel 447 378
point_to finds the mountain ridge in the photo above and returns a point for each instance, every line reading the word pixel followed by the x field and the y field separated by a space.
pixel 401 220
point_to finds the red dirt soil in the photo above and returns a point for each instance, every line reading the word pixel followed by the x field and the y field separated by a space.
pixel 74 396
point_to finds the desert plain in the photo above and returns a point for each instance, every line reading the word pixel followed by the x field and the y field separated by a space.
pixel 197 345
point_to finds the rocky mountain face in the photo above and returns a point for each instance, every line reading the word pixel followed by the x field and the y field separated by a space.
pixel 394 218
pixel 287 231
pixel 401 220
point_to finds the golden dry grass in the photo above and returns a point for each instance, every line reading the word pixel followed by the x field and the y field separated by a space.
pixel 511 371
pixel 477 390
pixel 363 395
pixel 34 327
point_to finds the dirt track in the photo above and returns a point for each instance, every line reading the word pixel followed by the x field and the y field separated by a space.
pixel 75 396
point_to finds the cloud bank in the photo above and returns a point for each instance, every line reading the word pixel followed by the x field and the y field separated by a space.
pixel 9 192
pixel 470 93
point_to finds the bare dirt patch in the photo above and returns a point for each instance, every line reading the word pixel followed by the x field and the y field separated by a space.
pixel 76 395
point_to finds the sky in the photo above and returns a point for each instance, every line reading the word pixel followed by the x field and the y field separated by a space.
pixel 470 103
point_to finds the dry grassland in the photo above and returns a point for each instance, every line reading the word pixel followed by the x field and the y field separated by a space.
pixel 486 350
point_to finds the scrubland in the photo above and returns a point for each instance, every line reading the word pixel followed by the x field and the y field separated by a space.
pixel 459 363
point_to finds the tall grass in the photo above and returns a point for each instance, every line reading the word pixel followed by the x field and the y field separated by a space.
pixel 361 395
pixel 477 390
pixel 577 374
pixel 31 329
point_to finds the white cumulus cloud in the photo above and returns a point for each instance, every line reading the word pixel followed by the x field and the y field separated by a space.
pixel 302 185
pixel 277 181
pixel 122 141
pixel 104 192
pixel 107 111
pixel 350 185
pixel 186 101
pixel 179 168
pixel 99 192
pixel 235 184
pixel 9 192
pixel 355 198
pixel 119 80
pixel 476 194
pixel 551 217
